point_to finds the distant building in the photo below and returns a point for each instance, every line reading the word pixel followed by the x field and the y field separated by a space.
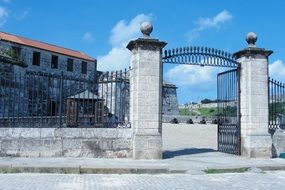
pixel 169 99
pixel 39 56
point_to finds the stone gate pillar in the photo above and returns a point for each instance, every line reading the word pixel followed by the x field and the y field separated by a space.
pixel 255 139
pixel 145 94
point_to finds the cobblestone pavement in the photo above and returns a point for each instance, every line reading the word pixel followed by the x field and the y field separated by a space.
pixel 248 181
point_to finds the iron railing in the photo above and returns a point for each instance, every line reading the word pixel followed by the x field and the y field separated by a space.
pixel 276 104
pixel 56 100
pixel 203 56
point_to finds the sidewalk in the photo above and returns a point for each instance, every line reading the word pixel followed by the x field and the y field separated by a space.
pixel 191 164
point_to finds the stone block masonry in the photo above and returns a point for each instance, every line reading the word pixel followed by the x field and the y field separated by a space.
pixel 146 94
pixel 66 142
pixel 255 139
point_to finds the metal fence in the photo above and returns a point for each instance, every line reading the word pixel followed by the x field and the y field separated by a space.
pixel 276 104
pixel 56 100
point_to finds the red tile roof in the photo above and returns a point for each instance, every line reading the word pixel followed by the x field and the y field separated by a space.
pixel 44 46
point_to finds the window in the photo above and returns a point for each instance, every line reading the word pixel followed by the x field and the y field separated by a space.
pixel 54 62
pixel 16 52
pixel 69 64
pixel 84 67
pixel 36 58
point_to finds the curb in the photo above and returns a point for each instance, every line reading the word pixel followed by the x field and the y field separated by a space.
pixel 87 170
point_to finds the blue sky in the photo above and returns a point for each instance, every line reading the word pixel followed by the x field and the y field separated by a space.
pixel 102 28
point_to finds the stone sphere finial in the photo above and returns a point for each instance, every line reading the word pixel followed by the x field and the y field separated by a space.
pixel 146 29
pixel 251 39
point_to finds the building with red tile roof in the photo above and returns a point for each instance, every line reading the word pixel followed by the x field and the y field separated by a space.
pixel 37 56
pixel 44 46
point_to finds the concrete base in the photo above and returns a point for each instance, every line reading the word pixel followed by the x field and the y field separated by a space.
pixel 256 146
pixel 147 146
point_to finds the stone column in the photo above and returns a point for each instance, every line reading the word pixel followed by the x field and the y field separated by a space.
pixel 146 95
pixel 255 139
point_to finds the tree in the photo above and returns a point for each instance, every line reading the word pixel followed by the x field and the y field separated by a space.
pixel 206 101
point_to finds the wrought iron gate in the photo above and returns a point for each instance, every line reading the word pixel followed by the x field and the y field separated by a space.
pixel 228 112
pixel 276 95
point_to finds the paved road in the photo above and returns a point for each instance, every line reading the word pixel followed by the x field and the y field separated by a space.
pixel 248 181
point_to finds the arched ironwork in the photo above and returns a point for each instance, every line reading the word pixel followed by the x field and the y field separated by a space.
pixel 203 56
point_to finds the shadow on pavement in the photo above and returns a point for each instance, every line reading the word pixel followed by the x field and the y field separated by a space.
pixel 186 151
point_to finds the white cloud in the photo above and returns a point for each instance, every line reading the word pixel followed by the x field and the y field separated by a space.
pixel 194 81
pixel 22 15
pixel 184 75
pixel 3 15
pixel 123 31
pixel 119 56
pixel 277 70
pixel 88 37
pixel 208 23
pixel 215 21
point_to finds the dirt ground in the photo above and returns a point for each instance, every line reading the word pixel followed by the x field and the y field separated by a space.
pixel 189 136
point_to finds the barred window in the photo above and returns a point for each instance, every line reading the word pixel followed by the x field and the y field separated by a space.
pixel 36 58
pixel 54 62
pixel 69 64
pixel 84 67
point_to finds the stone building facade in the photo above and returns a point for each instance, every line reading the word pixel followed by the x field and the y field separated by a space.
pixel 24 77
pixel 42 57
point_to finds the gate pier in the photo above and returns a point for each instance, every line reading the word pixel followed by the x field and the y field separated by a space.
pixel 255 139
pixel 145 95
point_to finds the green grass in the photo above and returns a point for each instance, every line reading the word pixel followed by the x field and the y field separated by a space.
pixel 274 110
pixel 220 171
pixel 207 112
pixel 184 111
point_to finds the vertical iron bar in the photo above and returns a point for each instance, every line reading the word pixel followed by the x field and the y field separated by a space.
pixel 218 110
pixel 238 111
pixel 271 100
pixel 42 98
pixel 47 98
pixel 283 111
pixel 111 94
pixel 13 79
pixel 18 99
pixel 275 111
pixel 115 96
pixel 9 101
pixel 121 105
pixel 278 104
pixel 4 92
pixel 60 99
pixel 269 115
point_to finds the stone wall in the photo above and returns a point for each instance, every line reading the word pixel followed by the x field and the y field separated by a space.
pixel 66 142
